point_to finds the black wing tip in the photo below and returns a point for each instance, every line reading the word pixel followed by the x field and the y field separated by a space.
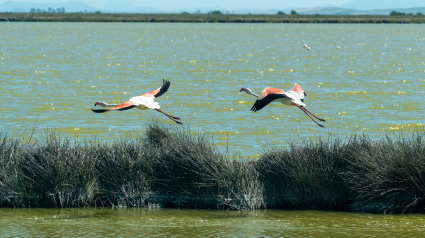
pixel 165 84
pixel 164 88
pixel 255 109
pixel 100 110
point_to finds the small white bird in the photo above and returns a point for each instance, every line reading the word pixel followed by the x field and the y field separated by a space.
pixel 306 46
pixel 143 102
pixel 337 46
pixel 294 97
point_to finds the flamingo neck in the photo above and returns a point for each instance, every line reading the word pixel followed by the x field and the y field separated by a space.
pixel 108 105
pixel 250 92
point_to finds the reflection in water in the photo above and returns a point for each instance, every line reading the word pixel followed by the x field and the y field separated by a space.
pixel 51 74
pixel 206 223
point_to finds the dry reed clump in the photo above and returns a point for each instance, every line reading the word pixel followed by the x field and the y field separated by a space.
pixel 359 174
pixel 170 167
pixel 173 167
pixel 54 173
pixel 306 175
pixel 388 175
pixel 188 167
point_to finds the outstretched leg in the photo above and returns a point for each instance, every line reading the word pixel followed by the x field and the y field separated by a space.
pixel 305 110
pixel 311 117
pixel 169 116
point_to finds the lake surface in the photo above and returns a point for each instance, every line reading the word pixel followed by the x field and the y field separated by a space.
pixel 51 74
pixel 144 222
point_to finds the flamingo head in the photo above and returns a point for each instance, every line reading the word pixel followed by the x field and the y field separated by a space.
pixel 244 89
pixel 99 103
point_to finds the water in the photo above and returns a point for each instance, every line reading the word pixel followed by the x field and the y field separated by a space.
pixel 144 222
pixel 51 74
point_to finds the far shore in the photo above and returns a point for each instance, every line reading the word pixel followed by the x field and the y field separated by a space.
pixel 209 18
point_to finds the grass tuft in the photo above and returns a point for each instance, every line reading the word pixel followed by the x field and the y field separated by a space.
pixel 170 166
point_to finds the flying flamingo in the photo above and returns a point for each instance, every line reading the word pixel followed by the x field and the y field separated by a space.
pixel 294 97
pixel 143 102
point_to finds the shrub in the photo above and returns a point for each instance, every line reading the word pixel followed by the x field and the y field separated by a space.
pixel 215 12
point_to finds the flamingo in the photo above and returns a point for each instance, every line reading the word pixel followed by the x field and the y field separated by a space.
pixel 294 97
pixel 143 102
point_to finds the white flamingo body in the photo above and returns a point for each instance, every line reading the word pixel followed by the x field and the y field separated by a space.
pixel 294 97
pixel 144 102
pixel 139 102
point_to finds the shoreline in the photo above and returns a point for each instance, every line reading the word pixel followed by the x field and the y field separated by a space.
pixel 210 18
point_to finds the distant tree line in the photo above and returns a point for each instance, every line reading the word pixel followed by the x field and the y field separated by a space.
pixel 293 12
pixel 215 12
pixel 49 10
pixel 394 13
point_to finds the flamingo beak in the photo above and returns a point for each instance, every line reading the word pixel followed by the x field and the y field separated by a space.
pixel 95 104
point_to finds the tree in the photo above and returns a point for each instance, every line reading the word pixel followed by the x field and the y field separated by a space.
pixel 215 12
pixel 32 10
pixel 419 14
pixel 293 12
pixel 280 13
pixel 185 13
pixel 393 13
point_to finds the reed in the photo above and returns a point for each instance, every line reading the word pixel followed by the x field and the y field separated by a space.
pixel 306 175
pixel 167 167
pixel 171 166
pixel 210 18
pixel 388 175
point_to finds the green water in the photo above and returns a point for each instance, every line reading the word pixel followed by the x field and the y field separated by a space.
pixel 144 222
pixel 51 74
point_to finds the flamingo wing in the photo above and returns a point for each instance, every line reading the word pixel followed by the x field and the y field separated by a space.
pixel 121 107
pixel 159 91
pixel 298 91
pixel 125 106
pixel 267 96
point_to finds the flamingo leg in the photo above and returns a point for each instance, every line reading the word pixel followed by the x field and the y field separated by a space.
pixel 169 116
pixel 159 110
pixel 311 117
pixel 305 110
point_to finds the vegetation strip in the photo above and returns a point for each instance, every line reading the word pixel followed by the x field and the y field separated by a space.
pixel 173 167
pixel 209 18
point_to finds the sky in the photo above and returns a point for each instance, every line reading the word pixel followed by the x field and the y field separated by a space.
pixel 228 4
